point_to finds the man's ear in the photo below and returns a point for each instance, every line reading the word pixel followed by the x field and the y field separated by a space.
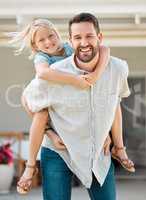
pixel 100 37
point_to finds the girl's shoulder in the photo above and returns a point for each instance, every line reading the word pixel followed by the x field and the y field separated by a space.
pixel 68 49
pixel 41 57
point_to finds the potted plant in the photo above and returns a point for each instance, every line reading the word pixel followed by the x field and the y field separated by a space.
pixel 6 167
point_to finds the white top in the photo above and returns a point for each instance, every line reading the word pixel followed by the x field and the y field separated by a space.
pixel 82 118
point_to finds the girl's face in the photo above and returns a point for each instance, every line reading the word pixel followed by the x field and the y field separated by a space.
pixel 47 41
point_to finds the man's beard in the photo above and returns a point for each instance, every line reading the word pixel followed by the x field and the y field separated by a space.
pixel 86 56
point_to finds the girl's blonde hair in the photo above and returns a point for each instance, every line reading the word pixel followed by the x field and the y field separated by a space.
pixel 25 39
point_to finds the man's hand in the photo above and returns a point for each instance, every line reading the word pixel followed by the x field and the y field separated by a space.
pixel 106 146
pixel 56 140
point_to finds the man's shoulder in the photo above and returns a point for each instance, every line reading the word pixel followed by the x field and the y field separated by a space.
pixel 119 65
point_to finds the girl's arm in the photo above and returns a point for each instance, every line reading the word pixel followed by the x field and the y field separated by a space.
pixel 104 55
pixel 83 81
pixel 43 71
pixel 117 132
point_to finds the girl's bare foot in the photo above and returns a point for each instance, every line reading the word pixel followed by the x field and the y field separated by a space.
pixel 119 154
pixel 25 183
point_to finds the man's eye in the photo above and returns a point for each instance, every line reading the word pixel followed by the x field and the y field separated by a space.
pixel 90 36
pixel 77 38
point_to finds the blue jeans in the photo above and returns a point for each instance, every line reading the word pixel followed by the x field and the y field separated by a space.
pixel 57 177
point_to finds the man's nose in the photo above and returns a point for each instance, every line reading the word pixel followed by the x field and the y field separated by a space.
pixel 84 42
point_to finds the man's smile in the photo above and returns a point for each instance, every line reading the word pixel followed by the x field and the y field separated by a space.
pixel 85 49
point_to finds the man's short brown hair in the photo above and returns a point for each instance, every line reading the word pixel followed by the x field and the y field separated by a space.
pixel 84 17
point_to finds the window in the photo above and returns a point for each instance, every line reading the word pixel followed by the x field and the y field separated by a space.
pixel 134 120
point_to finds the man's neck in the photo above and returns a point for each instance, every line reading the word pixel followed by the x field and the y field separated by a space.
pixel 89 66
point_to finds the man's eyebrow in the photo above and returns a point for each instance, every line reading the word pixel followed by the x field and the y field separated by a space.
pixel 77 35
pixel 90 33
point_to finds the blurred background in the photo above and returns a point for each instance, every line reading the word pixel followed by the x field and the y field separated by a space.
pixel 123 24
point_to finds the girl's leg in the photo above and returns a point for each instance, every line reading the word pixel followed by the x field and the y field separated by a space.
pixel 35 139
pixel 56 176
pixel 107 191
pixel 118 150
pixel 36 134
pixel 24 104
pixel 117 133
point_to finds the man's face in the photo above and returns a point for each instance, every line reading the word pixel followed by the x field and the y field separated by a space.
pixel 85 41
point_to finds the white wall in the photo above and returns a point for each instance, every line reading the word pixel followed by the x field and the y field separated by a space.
pixel 136 58
pixel 15 72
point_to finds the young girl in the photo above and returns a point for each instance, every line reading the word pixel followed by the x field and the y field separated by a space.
pixel 46 47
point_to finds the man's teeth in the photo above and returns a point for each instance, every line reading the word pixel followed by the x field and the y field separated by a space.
pixel 85 49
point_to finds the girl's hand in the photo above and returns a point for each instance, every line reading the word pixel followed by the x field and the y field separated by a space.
pixel 81 82
pixel 91 78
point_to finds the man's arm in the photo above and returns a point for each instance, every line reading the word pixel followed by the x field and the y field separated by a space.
pixel 56 140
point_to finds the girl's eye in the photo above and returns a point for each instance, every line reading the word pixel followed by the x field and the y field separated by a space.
pixel 50 36
pixel 41 40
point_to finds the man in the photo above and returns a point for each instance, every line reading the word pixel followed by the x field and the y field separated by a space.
pixel 82 118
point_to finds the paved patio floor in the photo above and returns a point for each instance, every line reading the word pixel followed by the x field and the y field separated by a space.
pixel 126 190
